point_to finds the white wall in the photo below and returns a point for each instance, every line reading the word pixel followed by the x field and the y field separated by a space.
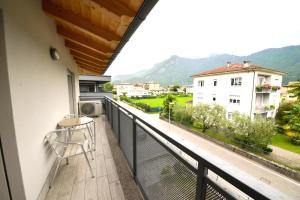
pixel 224 90
pixel 38 85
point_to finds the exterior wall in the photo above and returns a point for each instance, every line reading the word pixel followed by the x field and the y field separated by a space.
pixel 223 91
pixel 38 86
pixel 7 130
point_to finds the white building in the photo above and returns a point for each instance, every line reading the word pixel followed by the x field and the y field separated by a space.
pixel 189 89
pixel 131 90
pixel 151 86
pixel 246 88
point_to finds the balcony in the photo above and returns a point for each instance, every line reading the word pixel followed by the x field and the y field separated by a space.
pixel 163 168
pixel 266 88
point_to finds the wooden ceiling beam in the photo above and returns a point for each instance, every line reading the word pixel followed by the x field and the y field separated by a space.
pixel 79 38
pixel 86 71
pixel 84 50
pixel 92 59
pixel 88 66
pixel 88 61
pixel 91 70
pixel 116 7
pixel 66 16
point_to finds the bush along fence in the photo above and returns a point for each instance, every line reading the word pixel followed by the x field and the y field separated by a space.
pixel 163 168
pixel 142 106
pixel 254 135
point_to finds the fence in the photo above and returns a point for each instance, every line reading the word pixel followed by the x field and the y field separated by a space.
pixel 165 169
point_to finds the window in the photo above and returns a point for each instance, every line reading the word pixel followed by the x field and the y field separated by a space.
pixel 236 81
pixel 229 115
pixel 215 83
pixel 201 83
pixel 214 98
pixel 234 100
pixel 200 97
pixel 261 80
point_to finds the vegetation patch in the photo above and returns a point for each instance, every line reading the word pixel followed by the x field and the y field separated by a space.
pixel 283 141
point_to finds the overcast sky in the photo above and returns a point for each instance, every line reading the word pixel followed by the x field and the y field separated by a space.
pixel 199 28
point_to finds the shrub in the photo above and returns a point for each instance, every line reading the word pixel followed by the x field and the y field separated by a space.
pixel 275 88
pixel 295 140
pixel 259 88
pixel 142 106
pixel 125 98
pixel 183 114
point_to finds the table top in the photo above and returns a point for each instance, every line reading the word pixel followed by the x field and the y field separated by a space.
pixel 77 121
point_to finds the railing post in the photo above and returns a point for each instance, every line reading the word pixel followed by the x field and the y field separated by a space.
pixel 111 114
pixel 201 183
pixel 134 145
pixel 119 128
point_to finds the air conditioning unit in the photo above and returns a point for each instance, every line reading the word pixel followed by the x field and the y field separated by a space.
pixel 90 108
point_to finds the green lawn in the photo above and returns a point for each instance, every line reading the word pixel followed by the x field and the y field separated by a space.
pixel 282 141
pixel 158 102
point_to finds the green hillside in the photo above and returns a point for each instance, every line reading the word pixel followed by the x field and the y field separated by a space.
pixel 177 70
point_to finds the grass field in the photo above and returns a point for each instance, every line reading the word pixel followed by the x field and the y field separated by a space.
pixel 158 102
pixel 282 141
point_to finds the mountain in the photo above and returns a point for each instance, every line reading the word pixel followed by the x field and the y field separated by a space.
pixel 178 70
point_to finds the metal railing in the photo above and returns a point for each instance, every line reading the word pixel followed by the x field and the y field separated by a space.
pixel 165 169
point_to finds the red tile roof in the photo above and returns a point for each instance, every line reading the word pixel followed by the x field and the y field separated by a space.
pixel 234 68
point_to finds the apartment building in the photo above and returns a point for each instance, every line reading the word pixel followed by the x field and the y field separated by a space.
pixel 131 90
pixel 246 88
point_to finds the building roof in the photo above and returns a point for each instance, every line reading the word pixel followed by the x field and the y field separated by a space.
pixel 235 68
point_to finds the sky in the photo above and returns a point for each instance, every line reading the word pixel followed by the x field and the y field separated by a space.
pixel 199 28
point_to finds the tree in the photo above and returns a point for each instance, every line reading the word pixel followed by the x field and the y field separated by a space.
pixel 108 87
pixel 175 88
pixel 254 134
pixel 166 104
pixel 295 90
pixel 292 117
pixel 282 112
pixel 209 116
pixel 183 114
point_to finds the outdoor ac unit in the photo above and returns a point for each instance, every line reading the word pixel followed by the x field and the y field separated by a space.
pixel 90 108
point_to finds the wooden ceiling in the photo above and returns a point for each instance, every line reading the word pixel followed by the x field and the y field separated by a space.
pixel 92 29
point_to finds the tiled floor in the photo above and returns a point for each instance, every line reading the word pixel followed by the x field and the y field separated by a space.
pixel 74 181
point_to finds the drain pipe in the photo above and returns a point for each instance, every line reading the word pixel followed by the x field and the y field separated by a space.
pixel 252 96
